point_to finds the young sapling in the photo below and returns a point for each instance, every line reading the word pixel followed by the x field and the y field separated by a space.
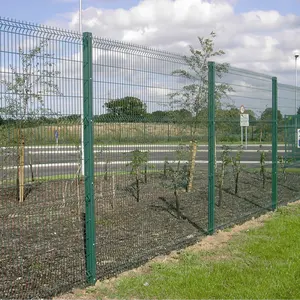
pixel 138 159
pixel 236 167
pixel 225 160
pixel 177 176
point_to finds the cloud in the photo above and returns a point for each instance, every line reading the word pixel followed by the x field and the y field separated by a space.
pixel 261 41
pixel 258 40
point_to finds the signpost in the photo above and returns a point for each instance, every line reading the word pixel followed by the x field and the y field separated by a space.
pixel 298 138
pixel 244 122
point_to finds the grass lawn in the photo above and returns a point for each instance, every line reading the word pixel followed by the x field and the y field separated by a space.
pixel 256 262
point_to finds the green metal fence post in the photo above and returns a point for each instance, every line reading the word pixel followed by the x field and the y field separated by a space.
pixel 211 147
pixel 89 158
pixel 274 142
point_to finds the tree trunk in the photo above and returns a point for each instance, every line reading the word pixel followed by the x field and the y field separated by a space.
pixel 177 202
pixel 145 174
pixel 220 195
pixel 137 188
pixel 236 182
pixel 31 169
pixel 21 169
pixel 192 165
pixel 221 183
pixel 106 171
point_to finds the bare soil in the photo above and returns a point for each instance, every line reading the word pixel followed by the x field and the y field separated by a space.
pixel 42 248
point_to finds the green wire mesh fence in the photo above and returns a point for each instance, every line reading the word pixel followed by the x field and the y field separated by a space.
pixel 144 157
pixel 288 125
pixel 243 108
pixel 41 191
pixel 108 155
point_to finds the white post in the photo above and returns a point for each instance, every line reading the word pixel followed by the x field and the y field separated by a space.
pixel 246 137
pixel 296 96
pixel 242 135
pixel 296 81
pixel 82 113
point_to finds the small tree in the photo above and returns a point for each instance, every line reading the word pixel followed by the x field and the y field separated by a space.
pixel 262 162
pixel 194 96
pixel 138 160
pixel 236 166
pixel 177 177
pixel 193 153
pixel 28 84
pixel 225 160
pixel 283 163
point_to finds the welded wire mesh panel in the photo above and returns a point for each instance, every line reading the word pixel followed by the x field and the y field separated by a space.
pixel 243 182
pixel 289 161
pixel 41 192
pixel 141 134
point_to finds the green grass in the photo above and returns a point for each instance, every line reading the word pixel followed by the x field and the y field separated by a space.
pixel 261 263
pixel 269 170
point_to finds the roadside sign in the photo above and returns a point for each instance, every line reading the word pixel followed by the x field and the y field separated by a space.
pixel 298 138
pixel 56 134
pixel 244 120
pixel 242 109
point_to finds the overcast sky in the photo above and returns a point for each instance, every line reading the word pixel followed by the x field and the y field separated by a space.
pixel 259 35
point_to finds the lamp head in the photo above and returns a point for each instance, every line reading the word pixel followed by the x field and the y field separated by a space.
pixel 296 53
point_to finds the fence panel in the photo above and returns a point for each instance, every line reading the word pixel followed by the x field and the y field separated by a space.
pixel 243 178
pixel 141 134
pixel 41 189
pixel 288 162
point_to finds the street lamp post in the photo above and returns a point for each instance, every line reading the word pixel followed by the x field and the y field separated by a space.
pixel 296 55
pixel 82 112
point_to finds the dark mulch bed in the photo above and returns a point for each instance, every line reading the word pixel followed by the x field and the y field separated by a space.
pixel 42 248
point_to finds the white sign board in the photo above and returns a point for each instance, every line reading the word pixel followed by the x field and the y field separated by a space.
pixel 298 138
pixel 244 120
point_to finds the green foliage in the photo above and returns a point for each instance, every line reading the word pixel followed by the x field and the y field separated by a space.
pixel 176 177
pixel 262 162
pixel 236 167
pixel 138 160
pixel 193 96
pixel 35 79
pixel 284 163
pixel 127 108
pixel 225 160
pixel 265 123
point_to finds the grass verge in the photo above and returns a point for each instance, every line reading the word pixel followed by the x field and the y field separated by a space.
pixel 253 263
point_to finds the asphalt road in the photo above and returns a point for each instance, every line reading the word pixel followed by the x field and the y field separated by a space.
pixel 64 160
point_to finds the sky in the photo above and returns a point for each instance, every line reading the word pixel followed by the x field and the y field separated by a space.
pixel 258 35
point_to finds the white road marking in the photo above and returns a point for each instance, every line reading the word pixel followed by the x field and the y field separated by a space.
pixel 127 151
pixel 50 165
pixel 134 146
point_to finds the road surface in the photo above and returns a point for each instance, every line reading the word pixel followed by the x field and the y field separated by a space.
pixel 64 160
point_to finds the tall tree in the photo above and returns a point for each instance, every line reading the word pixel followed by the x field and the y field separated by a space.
pixel 25 87
pixel 127 108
